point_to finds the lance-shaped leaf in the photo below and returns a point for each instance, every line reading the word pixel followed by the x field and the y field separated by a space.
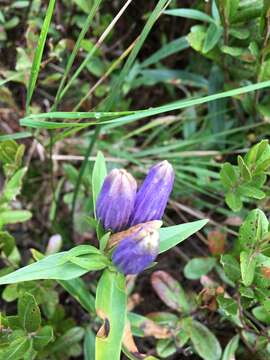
pixel 57 266
pixel 111 302
pixel 173 235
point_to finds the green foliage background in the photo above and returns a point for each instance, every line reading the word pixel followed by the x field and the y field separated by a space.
pixel 134 83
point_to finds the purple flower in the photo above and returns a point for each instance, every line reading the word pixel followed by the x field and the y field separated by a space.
pixel 116 200
pixel 138 249
pixel 153 195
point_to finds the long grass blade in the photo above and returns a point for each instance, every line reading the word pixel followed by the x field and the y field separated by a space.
pixel 38 54
pixel 32 120
pixel 15 136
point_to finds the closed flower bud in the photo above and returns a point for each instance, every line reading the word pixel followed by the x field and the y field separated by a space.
pixel 139 249
pixel 116 200
pixel 153 195
pixel 54 245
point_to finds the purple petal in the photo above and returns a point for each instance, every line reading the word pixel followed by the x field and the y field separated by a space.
pixel 116 200
pixel 137 251
pixel 153 195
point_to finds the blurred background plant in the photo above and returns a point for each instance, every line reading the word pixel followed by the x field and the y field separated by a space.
pixel 135 79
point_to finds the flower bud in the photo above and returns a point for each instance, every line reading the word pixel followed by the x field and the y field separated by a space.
pixel 153 195
pixel 139 249
pixel 54 245
pixel 116 200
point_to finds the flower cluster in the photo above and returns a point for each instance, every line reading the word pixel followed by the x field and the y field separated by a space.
pixel 120 207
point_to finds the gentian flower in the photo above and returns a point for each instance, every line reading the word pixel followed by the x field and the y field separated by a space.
pixel 153 195
pixel 116 200
pixel 134 218
pixel 138 249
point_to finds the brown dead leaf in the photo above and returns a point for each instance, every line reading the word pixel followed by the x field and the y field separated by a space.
pixel 216 242
pixel 128 340
pixel 150 328
pixel 208 297
pixel 266 272
pixel 167 288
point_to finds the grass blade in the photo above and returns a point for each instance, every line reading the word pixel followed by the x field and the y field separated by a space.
pixel 38 54
pixel 32 121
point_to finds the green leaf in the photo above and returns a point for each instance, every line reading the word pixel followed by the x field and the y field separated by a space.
pixel 261 314
pixel 198 267
pixel 233 51
pixel 247 265
pixel 7 242
pixel 89 345
pixel 111 307
pixel 196 37
pixel 263 166
pixel 70 338
pixel 190 14
pixel 166 348
pixel 257 153
pixel 228 176
pixel 48 268
pixel 173 235
pixel 253 229
pixel 230 8
pixel 29 313
pixel 264 70
pixel 10 293
pixel 241 33
pixel 98 176
pixel 212 37
pixel 8 150
pixel 84 5
pixel 104 241
pixel 43 337
pixel 231 267
pixel 13 186
pixel 17 348
pixel 92 262
pixel 244 170
pixel 228 305
pixel 230 349
pixel 250 191
pixel 14 216
pixel 233 200
pixel 204 342
pixel 78 290
pixel 78 251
